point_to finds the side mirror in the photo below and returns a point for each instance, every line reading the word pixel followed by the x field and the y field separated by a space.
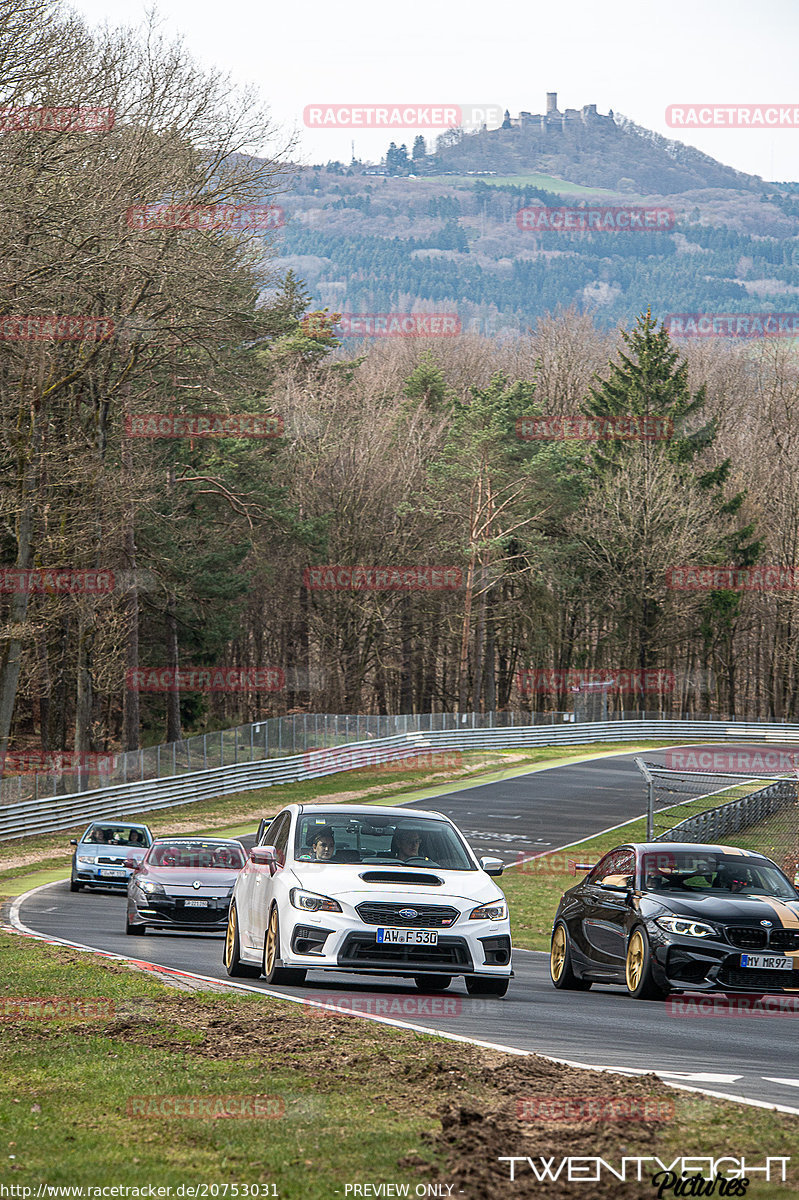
pixel 617 883
pixel 492 866
pixel 73 841
pixel 264 856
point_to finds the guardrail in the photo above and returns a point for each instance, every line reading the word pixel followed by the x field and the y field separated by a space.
pixel 728 818
pixel 125 800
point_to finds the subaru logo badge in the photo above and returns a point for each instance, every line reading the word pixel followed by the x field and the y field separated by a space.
pixel 197 885
pixel 766 923
pixel 410 913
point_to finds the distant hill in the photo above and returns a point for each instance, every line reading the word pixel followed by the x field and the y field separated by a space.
pixel 585 147
pixel 428 236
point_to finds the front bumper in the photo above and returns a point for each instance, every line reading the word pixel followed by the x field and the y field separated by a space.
pixel 696 965
pixel 335 942
pixel 97 876
pixel 172 913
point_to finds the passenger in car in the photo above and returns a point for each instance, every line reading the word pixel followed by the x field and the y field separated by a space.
pixel 323 843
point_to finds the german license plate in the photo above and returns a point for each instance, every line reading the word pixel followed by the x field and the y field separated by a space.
pixel 195 903
pixel 408 937
pixel 767 962
pixel 111 874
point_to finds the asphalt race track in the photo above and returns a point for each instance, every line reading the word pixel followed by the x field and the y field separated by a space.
pixel 755 1057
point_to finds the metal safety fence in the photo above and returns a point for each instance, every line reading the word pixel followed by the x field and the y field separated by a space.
pixel 328 744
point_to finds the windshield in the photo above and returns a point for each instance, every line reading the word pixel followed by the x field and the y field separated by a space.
pixel 719 874
pixel 374 840
pixel 198 855
pixel 117 835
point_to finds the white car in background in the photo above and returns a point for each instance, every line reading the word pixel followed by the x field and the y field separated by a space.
pixel 378 891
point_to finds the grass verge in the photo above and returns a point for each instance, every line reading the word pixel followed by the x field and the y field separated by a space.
pixel 136 1093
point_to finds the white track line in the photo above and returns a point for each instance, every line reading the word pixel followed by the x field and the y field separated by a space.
pixel 17 926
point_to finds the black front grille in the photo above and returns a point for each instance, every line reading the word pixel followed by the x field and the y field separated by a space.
pixel 111 862
pixel 216 912
pixel 429 916
pixel 363 950
pixel 747 937
pixel 757 980
pixel 784 939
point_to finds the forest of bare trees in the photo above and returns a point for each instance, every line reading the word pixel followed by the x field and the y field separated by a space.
pixel 401 456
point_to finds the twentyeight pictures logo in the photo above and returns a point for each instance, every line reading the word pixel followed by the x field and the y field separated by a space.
pixel 580 219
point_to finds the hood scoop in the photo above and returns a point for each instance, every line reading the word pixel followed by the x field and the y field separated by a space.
pixel 401 878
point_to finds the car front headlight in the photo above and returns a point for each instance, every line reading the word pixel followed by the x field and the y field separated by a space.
pixel 685 927
pixel 151 888
pixel 496 911
pixel 86 858
pixel 310 902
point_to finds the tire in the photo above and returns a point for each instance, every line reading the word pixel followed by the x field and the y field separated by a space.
pixel 234 967
pixel 74 885
pixel 561 971
pixel 134 929
pixel 285 976
pixel 432 983
pixel 486 985
pixel 638 968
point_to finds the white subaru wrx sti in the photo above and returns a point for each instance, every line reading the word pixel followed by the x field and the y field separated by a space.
pixel 388 891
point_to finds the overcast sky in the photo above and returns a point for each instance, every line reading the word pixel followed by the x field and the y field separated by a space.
pixel 634 58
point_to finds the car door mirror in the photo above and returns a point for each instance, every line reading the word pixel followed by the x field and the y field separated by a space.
pixel 73 841
pixel 617 883
pixel 265 856
pixel 492 866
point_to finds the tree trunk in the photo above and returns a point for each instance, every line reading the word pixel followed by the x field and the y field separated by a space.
pixel 12 649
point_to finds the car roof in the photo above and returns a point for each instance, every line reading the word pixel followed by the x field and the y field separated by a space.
pixel 382 810
pixel 117 821
pixel 704 847
pixel 198 837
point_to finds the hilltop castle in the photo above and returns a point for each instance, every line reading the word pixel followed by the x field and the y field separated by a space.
pixel 554 121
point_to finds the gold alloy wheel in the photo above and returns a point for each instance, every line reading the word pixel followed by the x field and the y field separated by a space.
pixel 271 943
pixel 557 955
pixel 230 937
pixel 635 960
